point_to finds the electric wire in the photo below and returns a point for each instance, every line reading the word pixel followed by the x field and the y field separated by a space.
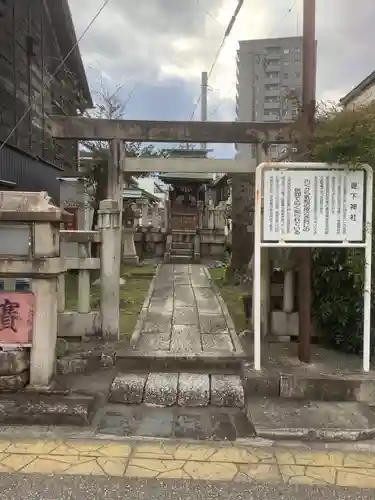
pixel 217 55
pixel 268 36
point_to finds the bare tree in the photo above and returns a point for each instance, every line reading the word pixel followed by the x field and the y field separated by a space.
pixel 110 106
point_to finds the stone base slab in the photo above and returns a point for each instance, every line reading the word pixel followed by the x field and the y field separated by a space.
pixel 43 409
pixel 277 418
pixel 333 387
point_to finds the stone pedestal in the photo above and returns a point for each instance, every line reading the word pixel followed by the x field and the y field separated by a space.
pixel 35 255
pixel 129 255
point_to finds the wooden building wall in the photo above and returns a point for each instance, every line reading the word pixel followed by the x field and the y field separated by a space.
pixel 29 53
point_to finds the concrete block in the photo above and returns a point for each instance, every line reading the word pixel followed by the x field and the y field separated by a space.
pixel 71 365
pixel 284 324
pixel 319 388
pixel 128 388
pixel 74 324
pixel 194 389
pixel 161 389
pixel 227 390
pixel 365 392
pixel 14 382
pixel 14 362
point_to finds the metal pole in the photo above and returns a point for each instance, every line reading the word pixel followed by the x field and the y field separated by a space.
pixel 204 89
pixel 257 260
pixel 367 280
pixel 308 109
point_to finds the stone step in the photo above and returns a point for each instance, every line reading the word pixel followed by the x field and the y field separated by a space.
pixel 182 245
pixel 30 408
pixel 313 386
pixel 181 389
pixel 182 251
pixel 176 422
pixel 278 418
pixel 179 362
pixel 181 259
pixel 84 362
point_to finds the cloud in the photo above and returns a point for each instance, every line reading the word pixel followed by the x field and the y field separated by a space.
pixel 160 47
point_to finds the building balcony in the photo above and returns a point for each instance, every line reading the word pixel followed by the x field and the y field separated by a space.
pixel 272 105
pixel 272 118
pixel 276 93
pixel 271 81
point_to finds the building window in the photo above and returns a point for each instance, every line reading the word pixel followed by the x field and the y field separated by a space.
pixel 273 50
pixel 273 74
pixel 297 74
pixel 297 50
pixel 286 51
pixel 286 76
pixel 297 61
pixel 286 63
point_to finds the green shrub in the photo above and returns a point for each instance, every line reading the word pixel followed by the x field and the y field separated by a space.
pixel 338 298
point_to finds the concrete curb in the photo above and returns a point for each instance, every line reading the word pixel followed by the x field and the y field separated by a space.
pixel 142 315
pixel 232 330
pixel 314 435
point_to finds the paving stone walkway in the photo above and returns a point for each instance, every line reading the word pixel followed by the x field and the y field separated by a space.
pixel 176 460
pixel 185 314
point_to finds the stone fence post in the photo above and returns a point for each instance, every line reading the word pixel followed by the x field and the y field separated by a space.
pixel 109 224
pixel 30 248
pixel 84 321
pixel 211 215
pixel 155 222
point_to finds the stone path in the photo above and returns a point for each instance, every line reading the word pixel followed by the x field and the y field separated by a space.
pixel 185 318
pixel 184 314
pixel 174 460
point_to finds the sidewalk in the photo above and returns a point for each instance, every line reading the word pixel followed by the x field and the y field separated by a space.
pixel 174 460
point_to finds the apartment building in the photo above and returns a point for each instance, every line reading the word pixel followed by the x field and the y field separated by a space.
pixel 269 83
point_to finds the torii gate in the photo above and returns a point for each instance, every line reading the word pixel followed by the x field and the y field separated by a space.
pixel 118 131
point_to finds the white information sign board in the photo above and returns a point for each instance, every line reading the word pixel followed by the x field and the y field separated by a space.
pixel 313 205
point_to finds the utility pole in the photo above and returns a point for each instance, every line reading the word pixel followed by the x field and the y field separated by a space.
pixel 204 89
pixel 308 119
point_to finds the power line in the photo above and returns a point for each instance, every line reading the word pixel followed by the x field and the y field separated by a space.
pixel 268 36
pixel 283 18
pixel 226 35
pixel 39 96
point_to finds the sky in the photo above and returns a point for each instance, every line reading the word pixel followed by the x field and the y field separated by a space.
pixel 156 49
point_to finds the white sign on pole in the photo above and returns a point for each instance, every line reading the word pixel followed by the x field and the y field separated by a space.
pixel 313 205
